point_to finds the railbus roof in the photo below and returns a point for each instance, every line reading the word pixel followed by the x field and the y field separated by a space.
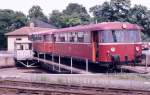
pixel 99 26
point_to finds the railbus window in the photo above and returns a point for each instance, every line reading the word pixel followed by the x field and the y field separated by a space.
pixel 31 37
pixel 57 37
pixel 34 37
pixel 66 37
pixel 53 37
pixel 80 37
pixel 44 37
pixel 41 38
pixel 87 37
pixel 105 36
pixel 63 37
pixel 48 38
pixel 133 36
pixel 38 37
pixel 117 36
pixel 72 37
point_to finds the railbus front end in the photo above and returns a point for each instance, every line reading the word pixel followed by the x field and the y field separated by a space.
pixel 117 46
pixel 120 46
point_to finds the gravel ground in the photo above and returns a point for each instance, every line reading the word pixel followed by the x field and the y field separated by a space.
pixel 115 80
pixel 123 81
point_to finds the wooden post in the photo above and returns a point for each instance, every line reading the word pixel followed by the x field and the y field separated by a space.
pixel 38 57
pixel 146 60
pixel 44 57
pixel 71 65
pixel 87 67
pixel 59 64
pixel 6 58
pixel 53 61
pixel 27 63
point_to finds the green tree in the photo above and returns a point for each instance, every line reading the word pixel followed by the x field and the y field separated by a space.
pixel 60 20
pixel 55 18
pixel 120 9
pixel 36 13
pixel 19 20
pixel 141 15
pixel 70 20
pixel 102 12
pixel 115 10
pixel 77 11
pixel 9 21
pixel 74 8
pixel 73 15
pixel 138 14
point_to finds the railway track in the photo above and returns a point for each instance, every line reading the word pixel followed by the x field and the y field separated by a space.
pixel 9 87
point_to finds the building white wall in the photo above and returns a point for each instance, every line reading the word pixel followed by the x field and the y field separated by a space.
pixel 11 40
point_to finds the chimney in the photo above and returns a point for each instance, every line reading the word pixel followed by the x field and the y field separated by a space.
pixel 31 24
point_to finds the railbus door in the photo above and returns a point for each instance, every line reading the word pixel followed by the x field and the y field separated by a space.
pixel 95 46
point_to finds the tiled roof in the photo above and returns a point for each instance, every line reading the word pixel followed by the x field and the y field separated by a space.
pixel 39 23
pixel 26 31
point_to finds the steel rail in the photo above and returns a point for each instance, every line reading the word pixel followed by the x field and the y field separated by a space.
pixel 58 89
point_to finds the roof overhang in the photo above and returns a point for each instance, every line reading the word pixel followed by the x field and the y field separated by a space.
pixel 43 32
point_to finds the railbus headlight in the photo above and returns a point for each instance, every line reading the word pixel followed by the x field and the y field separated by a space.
pixel 137 48
pixel 113 49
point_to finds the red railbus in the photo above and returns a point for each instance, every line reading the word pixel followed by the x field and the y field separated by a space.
pixel 102 43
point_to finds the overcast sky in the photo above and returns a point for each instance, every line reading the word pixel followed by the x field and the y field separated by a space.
pixel 49 5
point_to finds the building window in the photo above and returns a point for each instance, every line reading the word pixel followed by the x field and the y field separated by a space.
pixel 28 46
pixel 18 39
pixel 19 47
